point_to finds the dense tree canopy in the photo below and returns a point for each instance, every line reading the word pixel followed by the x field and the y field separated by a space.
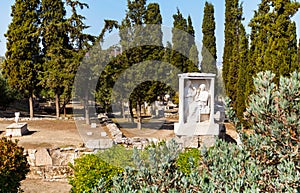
pixel 22 64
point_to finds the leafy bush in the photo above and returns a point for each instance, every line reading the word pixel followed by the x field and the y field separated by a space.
pixel 13 165
pixel 158 172
pixel 117 156
pixel 274 112
pixel 88 170
pixel 184 160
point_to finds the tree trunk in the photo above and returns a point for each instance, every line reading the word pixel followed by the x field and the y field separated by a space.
pixel 86 107
pixel 31 105
pixel 65 111
pixel 123 109
pixel 131 112
pixel 57 105
pixel 139 115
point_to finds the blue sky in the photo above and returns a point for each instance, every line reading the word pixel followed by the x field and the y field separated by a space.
pixel 115 9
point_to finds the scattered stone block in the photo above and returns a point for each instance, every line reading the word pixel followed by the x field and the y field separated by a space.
pixel 42 158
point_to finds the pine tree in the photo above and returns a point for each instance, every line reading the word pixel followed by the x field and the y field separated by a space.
pixel 209 49
pixel 22 64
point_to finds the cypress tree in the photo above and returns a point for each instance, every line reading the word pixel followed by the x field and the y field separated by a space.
pixel 243 75
pixel 273 38
pixel 193 62
pixel 56 48
pixel 230 5
pixel 22 64
pixel 235 57
pixel 282 41
pixel 79 42
pixel 182 43
pixel 299 53
pixel 209 50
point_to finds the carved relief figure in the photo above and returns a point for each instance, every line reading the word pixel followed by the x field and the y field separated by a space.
pixel 190 93
pixel 202 97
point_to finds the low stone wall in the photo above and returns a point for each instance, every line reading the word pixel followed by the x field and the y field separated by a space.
pixel 52 164
pixel 120 138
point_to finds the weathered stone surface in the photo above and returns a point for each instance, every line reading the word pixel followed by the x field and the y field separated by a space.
pixel 43 158
pixel 31 156
pixel 16 129
pixel 62 158
pixel 99 144
pixel 58 173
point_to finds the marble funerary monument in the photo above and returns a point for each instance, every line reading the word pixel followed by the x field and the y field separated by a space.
pixel 196 105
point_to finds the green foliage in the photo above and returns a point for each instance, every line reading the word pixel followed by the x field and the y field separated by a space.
pixel 22 64
pixel 273 39
pixel 117 156
pixel 183 44
pixel 235 59
pixel 7 94
pixel 13 165
pixel 155 173
pixel 273 145
pixel 184 160
pixel 88 170
pixel 209 50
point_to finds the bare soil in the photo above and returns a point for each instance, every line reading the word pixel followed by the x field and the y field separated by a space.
pixel 40 186
pixel 47 133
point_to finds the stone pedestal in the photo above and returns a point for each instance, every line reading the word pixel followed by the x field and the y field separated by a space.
pixel 196 106
pixel 16 129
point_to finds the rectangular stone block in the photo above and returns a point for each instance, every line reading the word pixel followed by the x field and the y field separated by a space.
pixel 16 129
pixel 42 158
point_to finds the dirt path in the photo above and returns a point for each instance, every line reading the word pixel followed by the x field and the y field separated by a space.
pixel 40 186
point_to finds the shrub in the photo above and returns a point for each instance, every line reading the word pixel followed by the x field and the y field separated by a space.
pixel 13 165
pixel 157 172
pixel 274 112
pixel 184 160
pixel 117 156
pixel 88 170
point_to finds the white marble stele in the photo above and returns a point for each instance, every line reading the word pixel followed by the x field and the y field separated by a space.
pixel 16 129
pixel 196 105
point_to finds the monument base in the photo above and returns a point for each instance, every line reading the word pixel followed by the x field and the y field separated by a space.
pixel 195 129
pixel 16 129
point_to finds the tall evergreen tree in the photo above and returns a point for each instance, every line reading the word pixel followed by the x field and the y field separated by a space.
pixel 22 64
pixel 209 48
pixel 57 49
pixel 230 6
pixel 182 39
pixel 235 57
pixel 273 38
pixel 243 75
pixel 193 62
